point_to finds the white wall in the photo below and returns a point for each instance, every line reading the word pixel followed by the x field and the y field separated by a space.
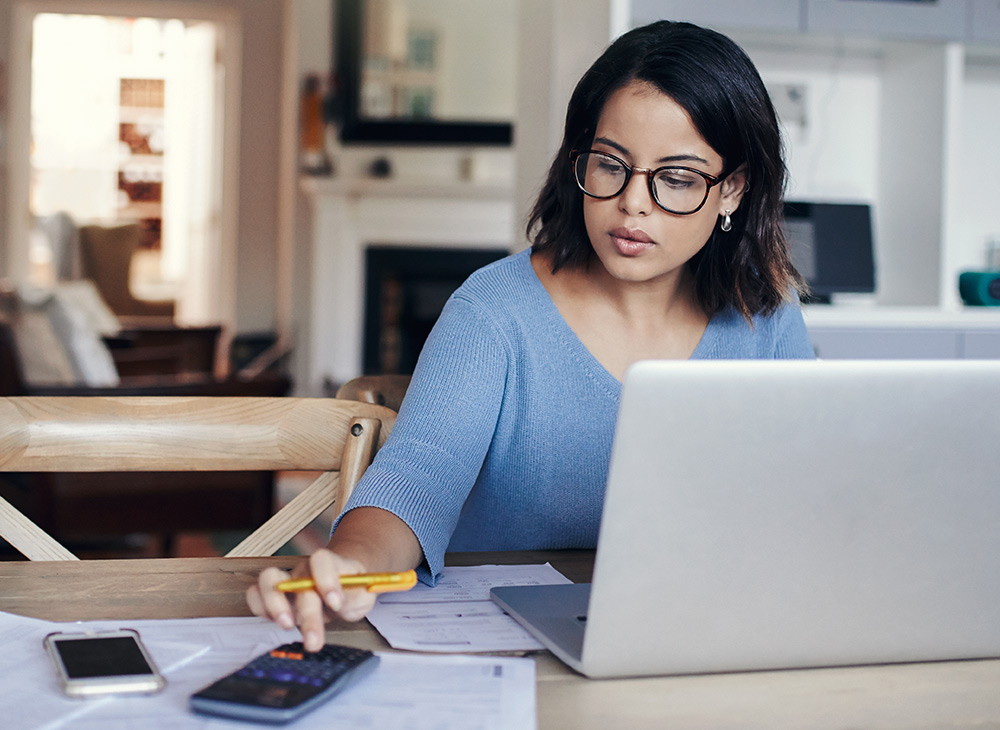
pixel 558 41
pixel 315 36
pixel 5 24
pixel 834 155
pixel 979 163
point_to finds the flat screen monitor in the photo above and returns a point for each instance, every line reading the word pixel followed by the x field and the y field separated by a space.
pixel 831 246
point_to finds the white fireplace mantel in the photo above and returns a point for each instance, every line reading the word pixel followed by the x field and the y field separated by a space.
pixel 350 215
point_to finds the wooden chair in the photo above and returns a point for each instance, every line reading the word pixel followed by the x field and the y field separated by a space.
pixel 134 434
pixel 383 390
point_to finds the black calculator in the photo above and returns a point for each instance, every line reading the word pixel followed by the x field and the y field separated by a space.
pixel 285 683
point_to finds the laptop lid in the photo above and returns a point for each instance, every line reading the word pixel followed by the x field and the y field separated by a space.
pixel 778 514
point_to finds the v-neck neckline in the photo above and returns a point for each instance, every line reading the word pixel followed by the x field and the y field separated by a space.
pixel 579 350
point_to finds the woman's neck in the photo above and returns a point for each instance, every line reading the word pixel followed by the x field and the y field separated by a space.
pixel 661 300
pixel 621 322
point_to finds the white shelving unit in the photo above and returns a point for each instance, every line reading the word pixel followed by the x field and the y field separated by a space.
pixel 903 332
pixel 935 71
pixel 141 120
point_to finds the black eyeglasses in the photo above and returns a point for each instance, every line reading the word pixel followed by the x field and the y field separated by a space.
pixel 678 190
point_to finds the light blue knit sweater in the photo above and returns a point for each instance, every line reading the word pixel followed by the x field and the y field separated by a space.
pixel 504 437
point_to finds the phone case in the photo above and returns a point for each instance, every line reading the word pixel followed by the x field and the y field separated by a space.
pixel 103 663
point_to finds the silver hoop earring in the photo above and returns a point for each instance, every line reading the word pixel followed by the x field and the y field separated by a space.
pixel 727 222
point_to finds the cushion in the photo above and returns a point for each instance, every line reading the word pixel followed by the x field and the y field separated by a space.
pixel 65 325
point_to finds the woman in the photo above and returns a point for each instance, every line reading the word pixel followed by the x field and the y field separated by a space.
pixel 656 235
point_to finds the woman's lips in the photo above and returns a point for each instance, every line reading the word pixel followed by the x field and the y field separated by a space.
pixel 631 242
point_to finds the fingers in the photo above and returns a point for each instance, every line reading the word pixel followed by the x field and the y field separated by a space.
pixel 305 610
pixel 357 603
pixel 267 602
pixel 312 622
pixel 326 567
pixel 308 610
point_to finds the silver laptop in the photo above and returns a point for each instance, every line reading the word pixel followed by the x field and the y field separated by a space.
pixel 765 515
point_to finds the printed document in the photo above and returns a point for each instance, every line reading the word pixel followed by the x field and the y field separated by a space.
pixel 406 691
pixel 457 615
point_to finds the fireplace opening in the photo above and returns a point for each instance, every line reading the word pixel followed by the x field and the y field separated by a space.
pixel 405 290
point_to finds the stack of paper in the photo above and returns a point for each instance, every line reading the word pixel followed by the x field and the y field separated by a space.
pixel 407 691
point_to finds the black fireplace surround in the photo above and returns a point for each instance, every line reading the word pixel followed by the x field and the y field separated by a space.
pixel 406 288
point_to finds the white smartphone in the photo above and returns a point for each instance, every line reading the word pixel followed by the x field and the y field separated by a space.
pixel 101 663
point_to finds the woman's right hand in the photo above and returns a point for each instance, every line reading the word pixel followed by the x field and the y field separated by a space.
pixel 311 609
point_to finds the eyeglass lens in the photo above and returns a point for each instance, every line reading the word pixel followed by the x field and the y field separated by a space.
pixel 674 188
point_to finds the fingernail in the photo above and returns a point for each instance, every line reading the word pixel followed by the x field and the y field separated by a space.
pixel 285 621
pixel 334 600
pixel 313 641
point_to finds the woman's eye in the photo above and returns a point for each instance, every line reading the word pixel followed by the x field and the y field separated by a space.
pixel 676 180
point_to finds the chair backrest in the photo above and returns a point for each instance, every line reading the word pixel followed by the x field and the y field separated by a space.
pixel 190 434
pixel 384 390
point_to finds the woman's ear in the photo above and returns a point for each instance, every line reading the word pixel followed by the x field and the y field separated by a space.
pixel 732 189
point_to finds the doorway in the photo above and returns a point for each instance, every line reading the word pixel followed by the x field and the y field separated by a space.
pixel 125 120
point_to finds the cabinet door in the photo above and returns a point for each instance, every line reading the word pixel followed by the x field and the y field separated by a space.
pixel 981 344
pixel 751 14
pixel 939 20
pixel 849 343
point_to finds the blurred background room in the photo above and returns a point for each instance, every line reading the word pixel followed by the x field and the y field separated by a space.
pixel 276 197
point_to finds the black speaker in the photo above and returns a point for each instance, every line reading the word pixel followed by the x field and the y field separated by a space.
pixel 980 288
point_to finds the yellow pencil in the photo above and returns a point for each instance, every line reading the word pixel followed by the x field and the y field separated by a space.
pixel 373 582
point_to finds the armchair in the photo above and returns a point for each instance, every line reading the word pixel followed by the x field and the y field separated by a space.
pixel 106 254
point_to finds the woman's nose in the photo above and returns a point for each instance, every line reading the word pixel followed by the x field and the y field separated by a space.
pixel 636 199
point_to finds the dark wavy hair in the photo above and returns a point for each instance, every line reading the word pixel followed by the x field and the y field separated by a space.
pixel 712 78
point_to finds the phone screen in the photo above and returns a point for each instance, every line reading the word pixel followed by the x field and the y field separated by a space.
pixel 116 656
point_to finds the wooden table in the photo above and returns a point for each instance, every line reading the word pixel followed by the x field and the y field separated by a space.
pixel 932 695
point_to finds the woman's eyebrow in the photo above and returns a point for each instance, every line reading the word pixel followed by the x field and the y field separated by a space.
pixel 670 158
pixel 685 158
pixel 611 143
